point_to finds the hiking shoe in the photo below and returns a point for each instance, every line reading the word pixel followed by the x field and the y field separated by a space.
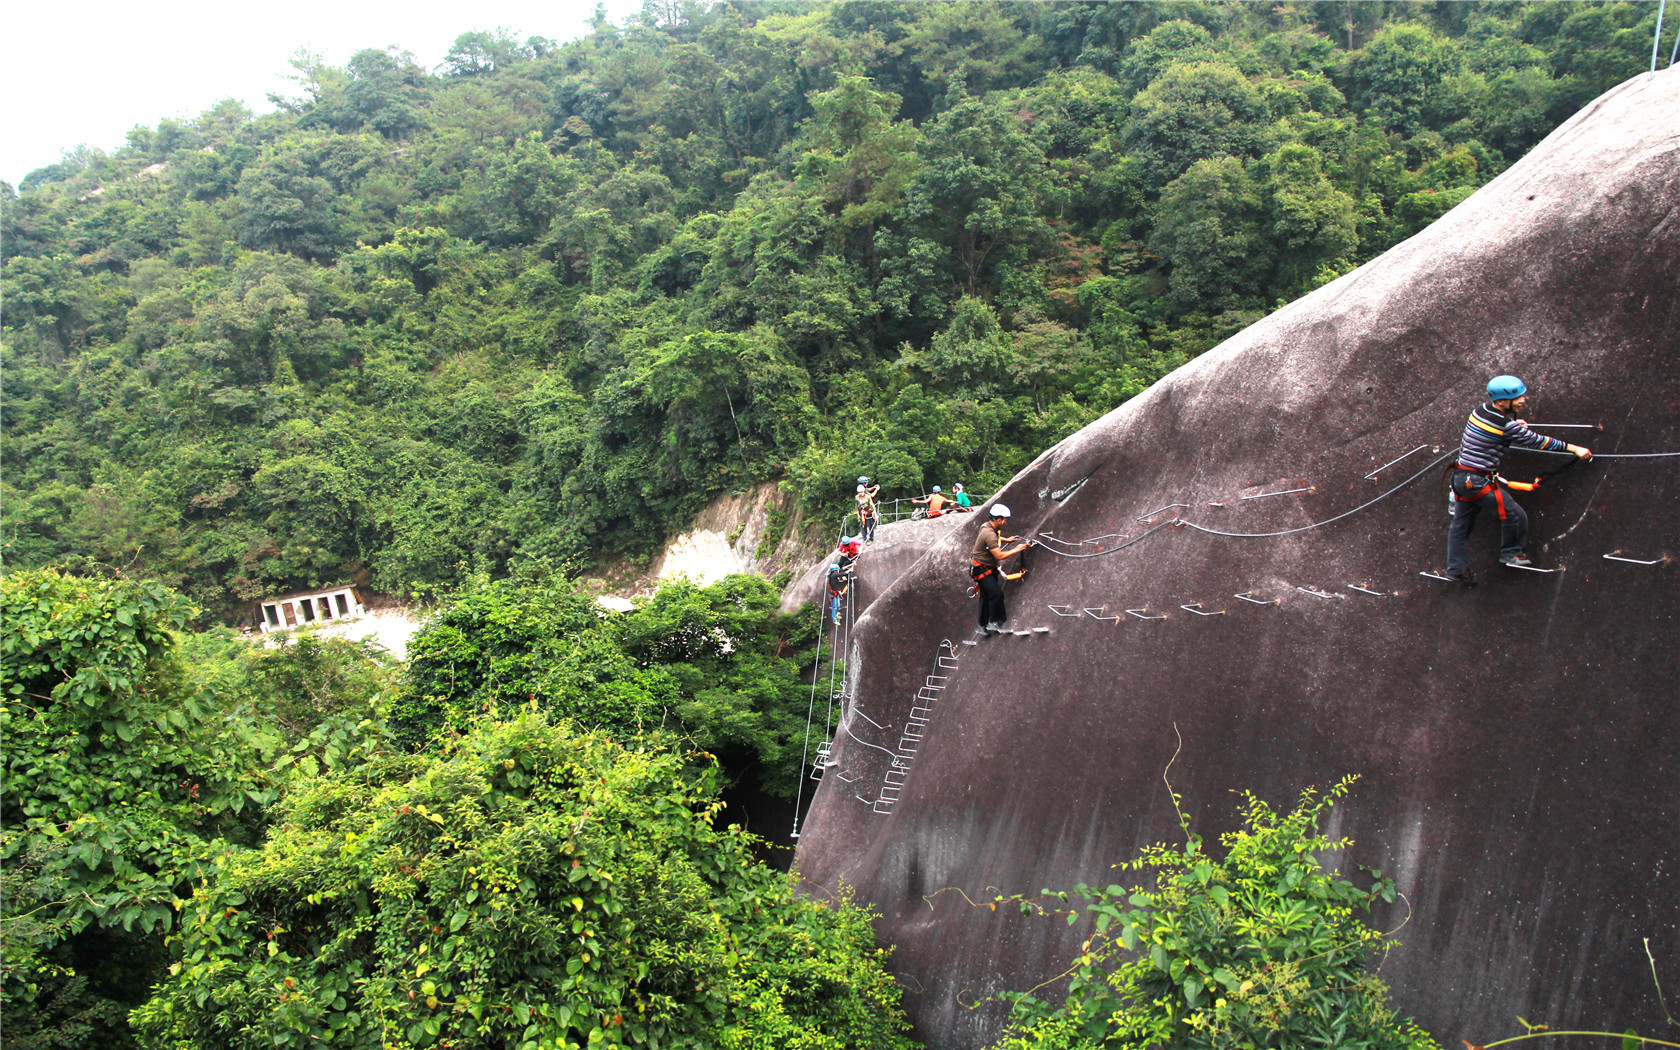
pixel 998 627
pixel 1468 579
pixel 1519 561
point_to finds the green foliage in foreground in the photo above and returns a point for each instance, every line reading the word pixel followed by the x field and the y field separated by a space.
pixel 717 664
pixel 129 766
pixel 1264 948
pixel 534 887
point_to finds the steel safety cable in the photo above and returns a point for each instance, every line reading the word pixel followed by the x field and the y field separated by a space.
pixel 810 715
pixel 1111 550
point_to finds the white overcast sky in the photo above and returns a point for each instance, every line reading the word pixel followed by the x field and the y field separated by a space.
pixel 87 72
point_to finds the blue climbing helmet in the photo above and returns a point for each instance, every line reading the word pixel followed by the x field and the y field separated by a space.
pixel 936 488
pixel 834 568
pixel 1505 388
pixel 863 481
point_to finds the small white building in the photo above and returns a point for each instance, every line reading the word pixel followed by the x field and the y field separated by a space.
pixel 306 607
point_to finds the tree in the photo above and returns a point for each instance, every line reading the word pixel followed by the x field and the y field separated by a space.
pixel 974 210
pixel 1193 111
pixel 1208 230
pixel 1398 77
pixel 1311 221
pixel 533 886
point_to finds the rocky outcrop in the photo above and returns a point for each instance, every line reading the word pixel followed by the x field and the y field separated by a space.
pixel 1519 742
pixel 761 530
pixel 898 546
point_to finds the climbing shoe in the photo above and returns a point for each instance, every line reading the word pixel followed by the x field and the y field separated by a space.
pixel 1517 561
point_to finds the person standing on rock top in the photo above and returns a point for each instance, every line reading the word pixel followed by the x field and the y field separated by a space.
pixel 988 557
pixel 867 514
pixel 1493 428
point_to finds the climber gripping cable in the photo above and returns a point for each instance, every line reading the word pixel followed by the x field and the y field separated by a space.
pixel 1493 427
pixel 988 558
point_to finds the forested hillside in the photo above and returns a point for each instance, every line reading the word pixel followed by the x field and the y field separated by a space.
pixel 545 300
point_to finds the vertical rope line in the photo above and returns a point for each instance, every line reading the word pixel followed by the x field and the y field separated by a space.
pixel 810 712
pixel 1656 43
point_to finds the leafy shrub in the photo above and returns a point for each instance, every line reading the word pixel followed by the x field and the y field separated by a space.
pixel 1262 949
pixel 121 785
pixel 718 664
pixel 535 886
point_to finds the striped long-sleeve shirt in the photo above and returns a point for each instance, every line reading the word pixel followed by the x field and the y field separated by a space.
pixel 1490 432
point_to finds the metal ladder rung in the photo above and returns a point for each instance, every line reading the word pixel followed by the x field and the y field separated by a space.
pixel 846 776
pixel 1196 607
pixel 901 774
pixel 913 730
pixel 879 803
pixel 948 661
pixel 1145 614
pixel 1061 610
pixel 1615 555
pixel 923 713
pixel 1316 593
pixel 1248 596
pixel 882 795
pixel 907 746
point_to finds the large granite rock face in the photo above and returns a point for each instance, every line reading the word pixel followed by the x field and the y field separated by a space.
pixel 1519 742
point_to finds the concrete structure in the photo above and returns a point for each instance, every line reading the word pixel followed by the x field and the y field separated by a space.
pixel 307 607
pixel 1519 742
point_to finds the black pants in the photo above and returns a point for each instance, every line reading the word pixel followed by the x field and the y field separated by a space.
pixel 869 527
pixel 991 599
pixel 1513 531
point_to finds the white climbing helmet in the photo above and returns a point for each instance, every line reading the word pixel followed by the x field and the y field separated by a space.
pixel 999 511
pixel 860 488
pixel 957 487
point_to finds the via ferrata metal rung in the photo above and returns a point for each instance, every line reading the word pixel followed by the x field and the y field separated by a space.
pixel 1248 596
pixel 1391 462
pixel 1097 614
pixel 1196 607
pixel 901 774
pixel 1438 576
pixel 923 713
pixel 1365 590
pixel 1284 492
pixel 1145 614
pixel 1615 555
pixel 1316 593
pixel 1062 610
pixel 846 776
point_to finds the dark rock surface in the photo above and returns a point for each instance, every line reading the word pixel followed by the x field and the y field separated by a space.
pixel 898 546
pixel 1519 743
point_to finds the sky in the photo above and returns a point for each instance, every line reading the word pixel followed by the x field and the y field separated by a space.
pixel 91 71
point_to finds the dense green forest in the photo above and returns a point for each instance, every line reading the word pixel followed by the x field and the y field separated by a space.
pixel 515 840
pixel 544 301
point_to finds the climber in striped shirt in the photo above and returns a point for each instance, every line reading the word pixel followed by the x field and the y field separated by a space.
pixel 1494 427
